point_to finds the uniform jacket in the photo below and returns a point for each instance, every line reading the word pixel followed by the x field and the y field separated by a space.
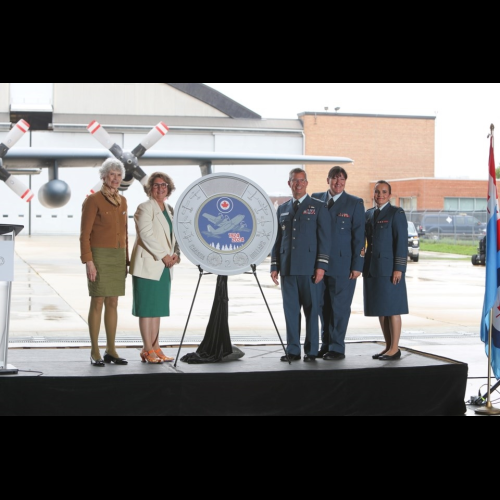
pixel 153 241
pixel 303 239
pixel 387 242
pixel 102 226
pixel 347 225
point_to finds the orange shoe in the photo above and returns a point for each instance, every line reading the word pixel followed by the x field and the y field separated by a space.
pixel 147 358
pixel 162 356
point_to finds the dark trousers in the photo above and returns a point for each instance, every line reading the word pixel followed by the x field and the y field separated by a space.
pixel 300 292
pixel 336 294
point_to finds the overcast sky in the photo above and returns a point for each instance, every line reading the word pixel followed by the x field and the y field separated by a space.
pixel 463 111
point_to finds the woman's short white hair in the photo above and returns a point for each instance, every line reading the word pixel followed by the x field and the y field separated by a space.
pixel 111 165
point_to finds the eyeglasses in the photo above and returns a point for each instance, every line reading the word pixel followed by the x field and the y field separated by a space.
pixel 160 186
pixel 298 181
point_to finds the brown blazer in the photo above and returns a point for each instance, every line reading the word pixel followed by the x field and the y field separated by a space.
pixel 103 226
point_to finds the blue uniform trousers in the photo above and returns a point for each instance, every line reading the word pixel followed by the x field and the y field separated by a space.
pixel 336 294
pixel 301 292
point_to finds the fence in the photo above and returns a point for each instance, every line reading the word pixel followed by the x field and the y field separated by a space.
pixel 449 225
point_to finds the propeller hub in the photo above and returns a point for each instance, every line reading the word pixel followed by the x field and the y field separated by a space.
pixel 129 162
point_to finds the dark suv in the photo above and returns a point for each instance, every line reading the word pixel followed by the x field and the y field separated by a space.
pixel 438 225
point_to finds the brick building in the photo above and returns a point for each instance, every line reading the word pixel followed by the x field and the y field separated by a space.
pixel 399 149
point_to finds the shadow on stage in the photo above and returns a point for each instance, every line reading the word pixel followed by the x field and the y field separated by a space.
pixel 61 382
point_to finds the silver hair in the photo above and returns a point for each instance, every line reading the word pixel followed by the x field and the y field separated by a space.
pixel 297 170
pixel 111 165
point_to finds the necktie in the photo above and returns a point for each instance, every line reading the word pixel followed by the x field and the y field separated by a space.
pixel 296 204
pixel 330 202
pixel 375 216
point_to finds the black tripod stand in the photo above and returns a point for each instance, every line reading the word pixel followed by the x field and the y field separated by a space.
pixel 217 343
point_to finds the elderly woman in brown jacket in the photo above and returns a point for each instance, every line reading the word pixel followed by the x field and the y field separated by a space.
pixel 104 251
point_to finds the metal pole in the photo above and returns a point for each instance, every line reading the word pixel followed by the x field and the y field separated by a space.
pixel 489 409
pixel 277 331
pixel 5 368
pixel 29 211
pixel 189 315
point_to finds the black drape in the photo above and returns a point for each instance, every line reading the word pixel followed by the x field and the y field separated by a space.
pixel 216 343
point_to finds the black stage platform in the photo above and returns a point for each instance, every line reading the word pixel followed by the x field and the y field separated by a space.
pixel 259 384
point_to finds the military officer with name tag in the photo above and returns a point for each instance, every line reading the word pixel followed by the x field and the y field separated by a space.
pixel 384 286
pixel 347 250
pixel 300 256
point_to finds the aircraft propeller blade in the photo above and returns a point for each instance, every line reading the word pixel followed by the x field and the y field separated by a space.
pixel 105 139
pixel 154 135
pixel 96 188
pixel 19 129
pixel 130 160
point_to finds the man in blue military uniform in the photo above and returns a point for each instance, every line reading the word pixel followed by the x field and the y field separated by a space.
pixel 347 223
pixel 300 256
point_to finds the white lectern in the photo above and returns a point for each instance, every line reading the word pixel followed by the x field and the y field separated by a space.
pixel 8 235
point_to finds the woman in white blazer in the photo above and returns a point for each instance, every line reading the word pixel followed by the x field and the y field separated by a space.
pixel 154 254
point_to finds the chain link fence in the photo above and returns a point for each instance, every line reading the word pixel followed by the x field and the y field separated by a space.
pixel 449 225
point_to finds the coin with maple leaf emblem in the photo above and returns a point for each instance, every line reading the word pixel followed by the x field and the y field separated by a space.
pixel 225 223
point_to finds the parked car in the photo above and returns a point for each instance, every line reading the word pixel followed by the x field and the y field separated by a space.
pixel 438 225
pixel 413 242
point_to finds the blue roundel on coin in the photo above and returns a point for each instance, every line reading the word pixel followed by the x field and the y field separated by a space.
pixel 225 224
pixel 225 205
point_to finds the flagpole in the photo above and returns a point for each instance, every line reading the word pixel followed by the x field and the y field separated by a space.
pixel 489 409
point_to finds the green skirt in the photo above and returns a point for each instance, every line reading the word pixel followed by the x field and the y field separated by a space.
pixel 151 298
pixel 111 265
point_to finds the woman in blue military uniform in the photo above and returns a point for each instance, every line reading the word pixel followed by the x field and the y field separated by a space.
pixel 384 286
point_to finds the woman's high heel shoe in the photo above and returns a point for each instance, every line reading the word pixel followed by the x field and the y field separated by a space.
pixel 162 356
pixel 99 362
pixel 147 358
pixel 117 361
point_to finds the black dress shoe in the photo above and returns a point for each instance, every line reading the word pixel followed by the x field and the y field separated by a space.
pixel 308 358
pixel 377 356
pixel 291 357
pixel 99 363
pixel 332 355
pixel 322 352
pixel 394 357
pixel 117 361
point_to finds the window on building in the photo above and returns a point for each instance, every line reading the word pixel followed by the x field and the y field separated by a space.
pixel 465 204
pixel 408 204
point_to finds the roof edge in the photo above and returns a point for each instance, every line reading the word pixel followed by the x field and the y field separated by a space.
pixel 366 115
pixel 216 99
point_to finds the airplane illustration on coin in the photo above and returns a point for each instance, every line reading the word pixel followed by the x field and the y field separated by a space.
pixel 224 224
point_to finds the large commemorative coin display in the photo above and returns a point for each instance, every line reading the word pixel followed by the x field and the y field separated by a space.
pixel 225 223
